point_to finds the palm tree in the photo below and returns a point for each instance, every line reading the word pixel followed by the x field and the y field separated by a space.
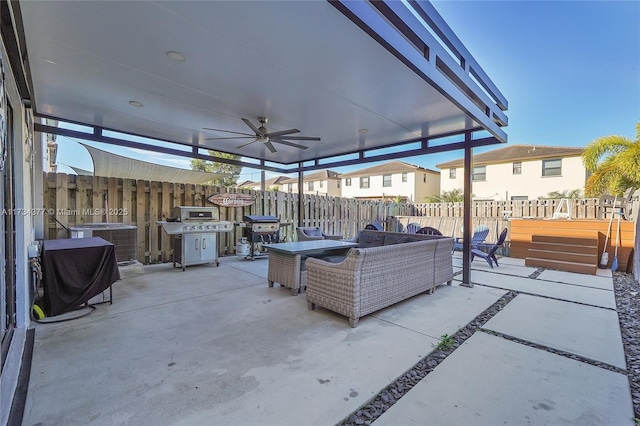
pixel 614 162
pixel 453 196
pixel 565 193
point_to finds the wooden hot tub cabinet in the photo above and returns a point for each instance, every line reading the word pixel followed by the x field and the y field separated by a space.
pixel 522 231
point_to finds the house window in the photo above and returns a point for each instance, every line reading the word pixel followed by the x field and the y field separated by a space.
pixel 479 173
pixel 321 184
pixel 364 182
pixel 310 186
pixel 386 180
pixel 347 182
pixel 452 173
pixel 404 177
pixel 552 167
pixel 290 187
pixel 517 168
pixel 338 183
pixel 519 198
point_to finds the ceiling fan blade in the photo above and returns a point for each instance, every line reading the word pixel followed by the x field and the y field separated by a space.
pixel 283 142
pixel 232 137
pixel 228 131
pixel 254 128
pixel 269 145
pixel 245 144
pixel 300 138
pixel 282 132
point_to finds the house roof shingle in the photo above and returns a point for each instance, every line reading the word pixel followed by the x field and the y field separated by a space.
pixel 245 183
pixel 390 167
pixel 277 180
pixel 516 153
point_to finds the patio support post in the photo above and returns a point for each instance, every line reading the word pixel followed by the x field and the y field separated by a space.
pixel 466 213
pixel 300 193
pixel 262 188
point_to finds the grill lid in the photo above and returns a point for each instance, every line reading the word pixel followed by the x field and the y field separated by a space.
pixel 193 213
pixel 260 219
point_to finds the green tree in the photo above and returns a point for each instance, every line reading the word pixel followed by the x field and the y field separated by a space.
pixel 565 193
pixel 614 163
pixel 453 196
pixel 233 171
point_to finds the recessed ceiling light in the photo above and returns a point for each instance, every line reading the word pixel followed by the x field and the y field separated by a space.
pixel 136 104
pixel 363 131
pixel 176 56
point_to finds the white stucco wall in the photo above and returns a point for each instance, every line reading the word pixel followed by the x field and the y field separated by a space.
pixel 502 184
pixel 414 189
pixel 329 187
pixel 426 189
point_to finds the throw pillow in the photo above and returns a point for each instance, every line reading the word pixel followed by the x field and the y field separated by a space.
pixel 315 232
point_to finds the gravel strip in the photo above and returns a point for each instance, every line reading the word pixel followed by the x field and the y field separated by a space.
pixel 366 414
pixel 627 294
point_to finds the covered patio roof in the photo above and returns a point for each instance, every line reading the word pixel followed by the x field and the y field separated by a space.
pixel 359 75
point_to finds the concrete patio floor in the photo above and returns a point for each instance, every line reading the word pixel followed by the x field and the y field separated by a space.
pixel 216 345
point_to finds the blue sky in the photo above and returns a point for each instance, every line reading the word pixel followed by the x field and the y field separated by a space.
pixel 569 69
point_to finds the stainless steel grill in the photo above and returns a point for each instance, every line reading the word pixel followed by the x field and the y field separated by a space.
pixel 195 232
pixel 259 230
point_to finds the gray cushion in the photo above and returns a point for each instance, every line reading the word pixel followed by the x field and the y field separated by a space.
pixel 334 258
pixel 313 232
pixel 408 240
pixel 367 239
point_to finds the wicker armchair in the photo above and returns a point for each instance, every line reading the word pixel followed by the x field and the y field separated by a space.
pixel 311 233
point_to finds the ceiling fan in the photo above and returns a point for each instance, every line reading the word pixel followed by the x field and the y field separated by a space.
pixel 261 134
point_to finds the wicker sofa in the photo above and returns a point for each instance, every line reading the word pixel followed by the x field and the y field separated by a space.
pixel 386 268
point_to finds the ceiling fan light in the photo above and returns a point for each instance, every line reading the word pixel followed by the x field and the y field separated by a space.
pixel 176 56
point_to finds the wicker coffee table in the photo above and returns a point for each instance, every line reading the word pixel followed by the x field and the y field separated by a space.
pixel 285 260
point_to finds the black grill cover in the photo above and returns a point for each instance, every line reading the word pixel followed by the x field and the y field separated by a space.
pixel 260 219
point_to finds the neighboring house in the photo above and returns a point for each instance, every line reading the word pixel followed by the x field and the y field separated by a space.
pixel 324 182
pixel 390 181
pixel 274 183
pixel 246 184
pixel 518 172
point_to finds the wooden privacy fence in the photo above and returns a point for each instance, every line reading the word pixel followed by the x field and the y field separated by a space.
pixel 76 200
pixel 581 208
pixel 451 226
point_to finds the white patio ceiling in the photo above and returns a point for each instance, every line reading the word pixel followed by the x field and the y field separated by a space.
pixel 327 69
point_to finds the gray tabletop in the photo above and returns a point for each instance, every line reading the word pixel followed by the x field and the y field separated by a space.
pixel 309 246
